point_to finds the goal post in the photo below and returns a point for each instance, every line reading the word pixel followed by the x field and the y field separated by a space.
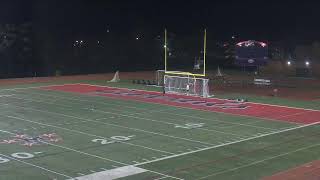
pixel 186 85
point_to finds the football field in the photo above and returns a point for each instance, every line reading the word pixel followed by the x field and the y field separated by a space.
pixel 49 133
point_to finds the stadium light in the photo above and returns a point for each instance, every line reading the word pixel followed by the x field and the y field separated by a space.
pixel 307 63
pixel 289 63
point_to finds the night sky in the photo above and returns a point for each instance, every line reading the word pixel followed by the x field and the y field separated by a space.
pixel 57 24
pixel 247 19
pixel 272 20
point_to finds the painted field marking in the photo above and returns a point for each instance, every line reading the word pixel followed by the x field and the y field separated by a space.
pixel 169 113
pixel 161 178
pixel 200 97
pixel 36 166
pixel 71 149
pixel 176 106
pixel 229 143
pixel 164 122
pixel 6 95
pixel 146 119
pixel 260 161
pixel 92 155
pixel 115 125
pixel 111 174
pixel 135 117
pixel 84 133
pixel 164 111
pixel 47 102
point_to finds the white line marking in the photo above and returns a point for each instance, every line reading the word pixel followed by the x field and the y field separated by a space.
pixel 162 122
pixel 164 111
pixel 91 155
pixel 160 178
pixel 7 95
pixel 226 144
pixel 47 102
pixel 37 152
pixel 115 125
pixel 112 173
pixel 74 150
pixel 88 134
pixel 257 162
pixel 36 166
pixel 81 174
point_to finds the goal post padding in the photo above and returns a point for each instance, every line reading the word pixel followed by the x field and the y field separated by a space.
pixel 186 85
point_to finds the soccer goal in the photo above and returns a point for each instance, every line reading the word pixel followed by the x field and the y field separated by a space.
pixel 187 85
pixel 115 78
pixel 160 77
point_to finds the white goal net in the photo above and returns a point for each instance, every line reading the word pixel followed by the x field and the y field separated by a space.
pixel 186 85
pixel 160 77
pixel 115 78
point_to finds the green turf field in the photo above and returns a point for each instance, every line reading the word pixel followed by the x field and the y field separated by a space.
pixel 98 134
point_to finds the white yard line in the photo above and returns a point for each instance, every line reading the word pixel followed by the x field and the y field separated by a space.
pixel 36 166
pixel 176 106
pixel 161 178
pixel 71 149
pixel 84 133
pixel 226 144
pixel 163 122
pixel 115 125
pixel 258 162
pixel 92 155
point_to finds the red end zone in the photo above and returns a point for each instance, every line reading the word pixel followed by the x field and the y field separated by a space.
pixel 309 171
pixel 271 112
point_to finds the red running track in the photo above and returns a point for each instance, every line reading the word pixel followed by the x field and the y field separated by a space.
pixel 265 111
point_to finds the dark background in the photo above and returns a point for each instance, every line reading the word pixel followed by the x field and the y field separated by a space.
pixel 43 40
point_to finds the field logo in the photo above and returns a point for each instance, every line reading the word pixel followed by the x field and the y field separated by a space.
pixel 26 140
pixel 222 105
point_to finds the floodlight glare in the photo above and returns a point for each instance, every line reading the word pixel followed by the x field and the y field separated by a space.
pixel 289 63
pixel 307 63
